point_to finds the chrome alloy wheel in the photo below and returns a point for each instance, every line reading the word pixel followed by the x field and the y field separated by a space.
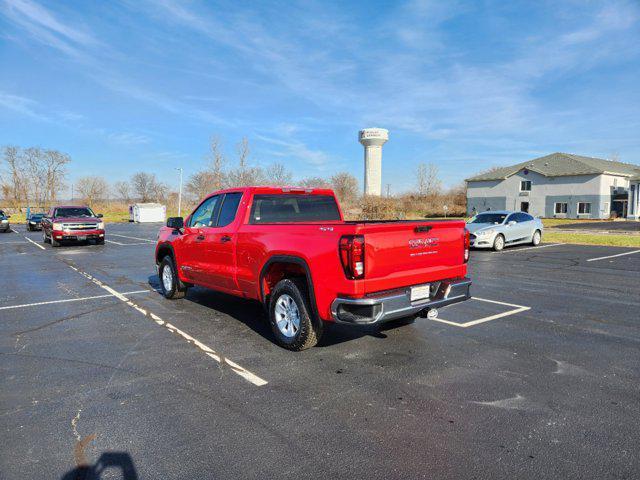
pixel 287 316
pixel 167 278
pixel 499 242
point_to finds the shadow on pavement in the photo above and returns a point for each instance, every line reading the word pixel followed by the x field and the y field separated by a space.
pixel 251 313
pixel 120 461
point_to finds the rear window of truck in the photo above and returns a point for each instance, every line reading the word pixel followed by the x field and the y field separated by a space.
pixel 294 208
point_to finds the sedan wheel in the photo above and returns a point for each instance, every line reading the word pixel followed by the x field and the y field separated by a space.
pixel 537 236
pixel 498 243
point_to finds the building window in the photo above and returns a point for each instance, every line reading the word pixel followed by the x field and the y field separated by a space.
pixel 584 208
pixel 561 208
pixel 525 185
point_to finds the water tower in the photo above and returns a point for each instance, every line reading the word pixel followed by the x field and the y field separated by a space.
pixel 373 139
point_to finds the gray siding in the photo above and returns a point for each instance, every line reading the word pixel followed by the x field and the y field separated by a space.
pixel 483 204
pixel 597 204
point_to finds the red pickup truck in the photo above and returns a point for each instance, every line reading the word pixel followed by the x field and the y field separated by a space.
pixel 66 223
pixel 291 249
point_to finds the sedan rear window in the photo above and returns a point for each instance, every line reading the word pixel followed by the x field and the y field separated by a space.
pixel 294 208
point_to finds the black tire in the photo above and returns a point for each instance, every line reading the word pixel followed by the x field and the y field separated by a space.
pixel 498 243
pixel 535 242
pixel 176 289
pixel 310 327
pixel 100 241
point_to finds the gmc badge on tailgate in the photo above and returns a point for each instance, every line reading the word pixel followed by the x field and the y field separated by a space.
pixel 423 242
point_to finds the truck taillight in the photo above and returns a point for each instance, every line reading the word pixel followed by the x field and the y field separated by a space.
pixel 467 242
pixel 352 256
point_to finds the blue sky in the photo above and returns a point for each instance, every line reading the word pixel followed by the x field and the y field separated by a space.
pixel 136 85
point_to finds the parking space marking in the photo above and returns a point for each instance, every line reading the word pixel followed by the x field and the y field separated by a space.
pixel 612 256
pixel 132 238
pixel 125 244
pixel 28 239
pixel 68 300
pixel 516 309
pixel 237 369
pixel 533 248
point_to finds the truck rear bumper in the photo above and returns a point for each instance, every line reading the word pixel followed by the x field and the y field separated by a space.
pixel 384 306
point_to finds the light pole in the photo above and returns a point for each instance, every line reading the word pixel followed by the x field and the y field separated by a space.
pixel 180 193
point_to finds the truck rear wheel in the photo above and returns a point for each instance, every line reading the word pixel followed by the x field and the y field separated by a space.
pixel 170 285
pixel 291 317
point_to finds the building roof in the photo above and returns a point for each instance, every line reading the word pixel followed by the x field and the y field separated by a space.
pixel 562 164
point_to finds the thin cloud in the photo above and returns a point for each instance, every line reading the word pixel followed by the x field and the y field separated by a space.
pixel 22 105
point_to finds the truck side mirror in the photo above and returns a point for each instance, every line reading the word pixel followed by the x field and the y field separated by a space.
pixel 177 223
pixel 99 215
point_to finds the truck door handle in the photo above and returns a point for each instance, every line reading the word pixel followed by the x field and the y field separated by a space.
pixel 200 237
pixel 225 238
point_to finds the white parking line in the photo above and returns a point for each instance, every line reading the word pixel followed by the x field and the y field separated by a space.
pixel 239 370
pixel 532 248
pixel 132 238
pixel 28 239
pixel 67 300
pixel 612 256
pixel 125 244
pixel 517 309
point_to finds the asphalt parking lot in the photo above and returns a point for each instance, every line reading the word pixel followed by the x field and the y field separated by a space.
pixel 538 376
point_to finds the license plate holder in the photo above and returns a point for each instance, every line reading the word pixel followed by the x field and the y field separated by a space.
pixel 420 292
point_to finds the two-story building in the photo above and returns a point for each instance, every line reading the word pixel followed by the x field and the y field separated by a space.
pixel 559 185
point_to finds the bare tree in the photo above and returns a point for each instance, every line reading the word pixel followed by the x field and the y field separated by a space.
pixel 14 187
pixel 244 174
pixel 345 187
pixel 217 176
pixel 277 174
pixel 123 191
pixel 200 184
pixel 143 185
pixel 160 191
pixel 55 167
pixel 92 188
pixel 34 175
pixel 427 181
pixel 316 182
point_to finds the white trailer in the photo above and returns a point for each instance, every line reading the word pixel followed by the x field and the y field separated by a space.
pixel 147 212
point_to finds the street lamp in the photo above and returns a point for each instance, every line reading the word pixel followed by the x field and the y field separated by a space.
pixel 180 193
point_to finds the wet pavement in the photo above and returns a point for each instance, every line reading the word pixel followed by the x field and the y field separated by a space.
pixel 537 377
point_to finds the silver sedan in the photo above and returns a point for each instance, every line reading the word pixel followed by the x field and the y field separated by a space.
pixel 499 229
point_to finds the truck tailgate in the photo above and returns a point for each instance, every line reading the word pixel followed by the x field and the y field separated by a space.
pixel 400 254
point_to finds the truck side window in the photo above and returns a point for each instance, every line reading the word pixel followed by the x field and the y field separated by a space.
pixel 203 216
pixel 229 208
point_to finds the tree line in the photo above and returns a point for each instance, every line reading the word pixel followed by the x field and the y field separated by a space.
pixel 35 177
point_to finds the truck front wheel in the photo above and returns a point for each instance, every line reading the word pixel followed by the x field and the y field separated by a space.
pixel 170 285
pixel 292 321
